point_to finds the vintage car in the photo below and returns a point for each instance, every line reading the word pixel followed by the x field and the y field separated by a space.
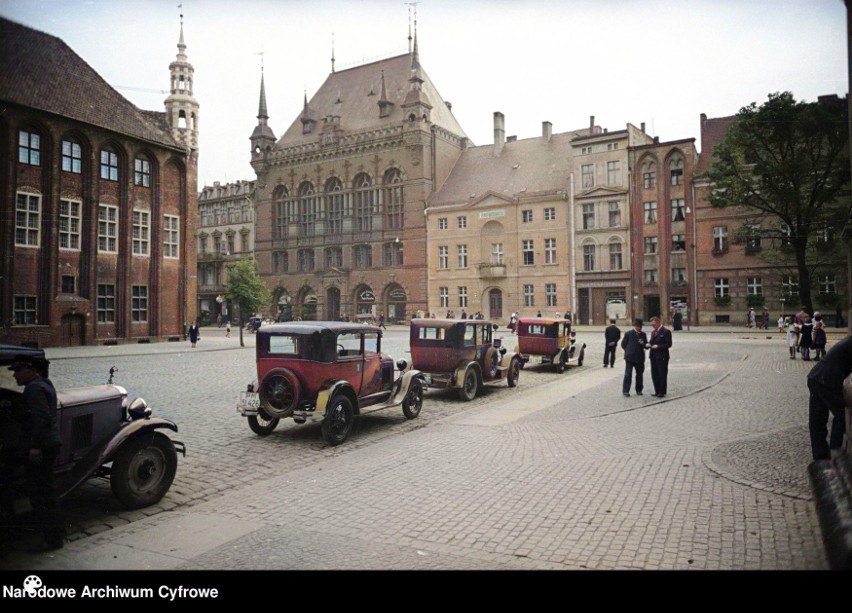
pixel 325 371
pixel 552 340
pixel 461 354
pixel 103 434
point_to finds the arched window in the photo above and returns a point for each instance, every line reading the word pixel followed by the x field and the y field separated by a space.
pixel 364 202
pixel 335 206
pixel 393 199
pixel 279 212
pixel 142 171
pixel 649 175
pixel 307 209
pixel 676 170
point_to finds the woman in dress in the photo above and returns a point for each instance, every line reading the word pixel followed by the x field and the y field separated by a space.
pixel 806 338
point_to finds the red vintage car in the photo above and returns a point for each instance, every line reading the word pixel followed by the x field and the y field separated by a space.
pixel 462 354
pixel 552 340
pixel 329 372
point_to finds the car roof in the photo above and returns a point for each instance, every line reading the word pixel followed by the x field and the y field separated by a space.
pixel 8 353
pixel 446 323
pixel 542 320
pixel 309 327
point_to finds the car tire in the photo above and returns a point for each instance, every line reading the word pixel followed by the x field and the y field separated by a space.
pixel 413 401
pixel 514 372
pixel 143 469
pixel 279 392
pixel 262 424
pixel 580 359
pixel 338 420
pixel 470 385
pixel 560 365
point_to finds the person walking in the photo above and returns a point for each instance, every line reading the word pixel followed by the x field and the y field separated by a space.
pixel 825 384
pixel 792 338
pixel 382 321
pixel 194 333
pixel 765 318
pixel 782 323
pixel 660 343
pixel 612 335
pixel 806 338
pixel 634 343
pixel 228 329
pixel 751 318
pixel 40 449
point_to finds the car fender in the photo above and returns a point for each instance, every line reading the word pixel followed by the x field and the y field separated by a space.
pixel 506 358
pixel 331 388
pixel 461 369
pixel 403 384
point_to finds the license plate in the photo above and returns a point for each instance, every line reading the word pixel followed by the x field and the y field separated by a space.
pixel 427 379
pixel 249 401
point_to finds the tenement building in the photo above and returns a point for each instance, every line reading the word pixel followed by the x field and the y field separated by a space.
pixel 98 200
pixel 225 234
pixel 340 196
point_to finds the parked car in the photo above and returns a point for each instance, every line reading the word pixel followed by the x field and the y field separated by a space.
pixel 616 309
pixel 328 372
pixel 254 324
pixel 103 434
pixel 552 340
pixel 461 354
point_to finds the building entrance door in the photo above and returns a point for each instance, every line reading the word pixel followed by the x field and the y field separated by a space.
pixel 495 304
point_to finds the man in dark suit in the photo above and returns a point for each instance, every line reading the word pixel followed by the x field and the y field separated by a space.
pixel 634 343
pixel 612 335
pixel 661 341
pixel 825 383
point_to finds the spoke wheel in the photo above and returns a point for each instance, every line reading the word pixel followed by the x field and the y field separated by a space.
pixel 514 372
pixel 470 385
pixel 338 421
pixel 413 399
pixel 279 393
pixel 262 424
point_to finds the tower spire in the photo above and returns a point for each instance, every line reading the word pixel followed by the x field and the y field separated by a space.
pixel 181 106
pixel 332 52
pixel 262 138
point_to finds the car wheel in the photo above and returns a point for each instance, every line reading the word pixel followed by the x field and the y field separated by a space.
pixel 143 470
pixel 580 359
pixel 339 417
pixel 514 372
pixel 469 386
pixel 413 399
pixel 560 365
pixel 279 393
pixel 262 424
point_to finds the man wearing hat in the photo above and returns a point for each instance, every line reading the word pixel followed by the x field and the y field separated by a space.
pixel 612 335
pixel 634 343
pixel 40 443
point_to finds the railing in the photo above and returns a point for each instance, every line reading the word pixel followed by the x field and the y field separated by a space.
pixel 492 271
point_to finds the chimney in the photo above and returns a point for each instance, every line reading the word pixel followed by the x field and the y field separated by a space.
pixel 499 132
pixel 643 126
pixel 546 130
pixel 511 139
pixel 591 122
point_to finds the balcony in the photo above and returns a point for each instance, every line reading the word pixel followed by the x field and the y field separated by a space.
pixel 491 271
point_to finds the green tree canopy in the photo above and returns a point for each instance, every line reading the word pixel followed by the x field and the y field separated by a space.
pixel 787 163
pixel 246 289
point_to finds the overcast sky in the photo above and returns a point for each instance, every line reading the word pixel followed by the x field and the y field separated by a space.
pixel 662 62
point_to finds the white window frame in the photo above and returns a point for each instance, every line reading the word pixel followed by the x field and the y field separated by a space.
pixel 141 232
pixel 550 294
pixel 529 295
pixel 442 223
pixel 528 252
pixel 462 296
pixel 171 237
pixel 27 219
pixel 754 286
pixel 139 304
pixel 462 221
pixel 497 254
pixel 550 251
pixel 443 257
pixel 107 228
pixel 69 224
pixel 721 287
pixel 444 296
pixel 106 303
pixel 25 310
pixel 550 213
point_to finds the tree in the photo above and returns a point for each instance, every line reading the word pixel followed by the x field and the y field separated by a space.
pixel 787 163
pixel 246 290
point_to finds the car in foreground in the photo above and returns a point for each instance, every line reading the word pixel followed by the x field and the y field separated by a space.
pixel 553 341
pixel 328 372
pixel 461 354
pixel 103 433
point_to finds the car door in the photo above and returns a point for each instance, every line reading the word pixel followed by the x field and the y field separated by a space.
pixel 350 358
pixel 371 379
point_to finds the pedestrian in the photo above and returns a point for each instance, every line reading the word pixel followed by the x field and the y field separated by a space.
pixel 792 337
pixel 825 384
pixel 228 329
pixel 612 335
pixel 806 338
pixel 39 449
pixel 463 314
pixel 660 342
pixel 765 318
pixel 194 333
pixel 819 338
pixel 513 322
pixel 751 318
pixel 677 320
pixel 782 323
pixel 800 316
pixel 382 320
pixel 634 343
pixel 538 314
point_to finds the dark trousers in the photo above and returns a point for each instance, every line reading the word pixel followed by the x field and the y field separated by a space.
pixel 629 367
pixel 40 488
pixel 824 402
pixel 660 374
pixel 609 355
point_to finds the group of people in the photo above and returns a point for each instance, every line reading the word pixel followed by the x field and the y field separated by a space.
pixel 635 343
pixel 755 321
pixel 464 315
pixel 805 333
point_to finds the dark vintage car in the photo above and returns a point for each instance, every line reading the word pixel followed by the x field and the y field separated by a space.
pixel 103 434
pixel 329 372
pixel 550 339
pixel 461 354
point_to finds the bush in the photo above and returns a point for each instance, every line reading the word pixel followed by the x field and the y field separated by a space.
pixel 755 301
pixel 722 301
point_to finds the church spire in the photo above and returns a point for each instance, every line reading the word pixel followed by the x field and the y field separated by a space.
pixel 261 110
pixel 385 105
pixel 181 106
pixel 262 138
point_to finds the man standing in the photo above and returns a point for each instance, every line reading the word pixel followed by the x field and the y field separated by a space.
pixel 661 340
pixel 825 383
pixel 612 335
pixel 765 318
pixel 41 444
pixel 634 343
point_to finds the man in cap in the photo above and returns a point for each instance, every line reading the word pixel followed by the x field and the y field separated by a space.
pixel 40 444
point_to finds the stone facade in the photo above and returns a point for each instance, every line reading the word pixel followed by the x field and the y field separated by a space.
pixel 98 203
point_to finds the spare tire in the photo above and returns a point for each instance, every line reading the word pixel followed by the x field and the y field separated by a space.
pixel 279 392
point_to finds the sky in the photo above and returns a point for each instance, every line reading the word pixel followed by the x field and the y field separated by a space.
pixel 662 62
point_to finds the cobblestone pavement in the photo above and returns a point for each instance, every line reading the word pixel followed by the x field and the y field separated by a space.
pixel 560 473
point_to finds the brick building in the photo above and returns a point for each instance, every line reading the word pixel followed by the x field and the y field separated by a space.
pixel 98 199
pixel 225 235
pixel 340 196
